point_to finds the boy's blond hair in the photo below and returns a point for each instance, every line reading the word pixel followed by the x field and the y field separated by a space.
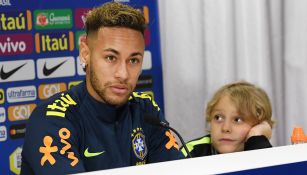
pixel 250 101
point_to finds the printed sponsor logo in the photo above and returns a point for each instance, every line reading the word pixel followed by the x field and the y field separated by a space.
pixel 20 94
pixel 2 115
pixel 146 14
pixel 79 36
pixel 73 83
pixel 147 37
pixel 79 67
pixel 92 154
pixel 121 0
pixel 47 90
pixel 17 131
pixel 144 81
pixel 54 42
pixel 48 149
pixel 12 21
pixel 55 67
pixel 17 70
pixel 1 96
pixel 145 11
pixel 60 105
pixel 15 160
pixel 80 14
pixel 147 61
pixel 3 133
pixel 20 112
pixel 5 3
pixel 16 44
pixel 53 19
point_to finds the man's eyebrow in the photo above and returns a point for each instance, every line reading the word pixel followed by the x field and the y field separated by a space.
pixel 136 53
pixel 112 50
pixel 117 53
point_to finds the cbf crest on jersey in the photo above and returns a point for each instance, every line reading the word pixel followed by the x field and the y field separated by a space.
pixel 138 143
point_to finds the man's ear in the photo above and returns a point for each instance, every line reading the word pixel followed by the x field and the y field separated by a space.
pixel 84 51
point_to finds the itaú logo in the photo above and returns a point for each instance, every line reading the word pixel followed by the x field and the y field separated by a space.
pixel 14 20
pixel 20 112
pixel 47 90
pixel 54 42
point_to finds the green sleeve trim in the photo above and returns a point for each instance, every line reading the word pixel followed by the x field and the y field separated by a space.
pixel 190 145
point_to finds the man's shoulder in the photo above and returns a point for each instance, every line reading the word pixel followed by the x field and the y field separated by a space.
pixel 60 103
pixel 143 99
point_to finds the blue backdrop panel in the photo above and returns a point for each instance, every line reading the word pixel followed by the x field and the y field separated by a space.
pixel 39 57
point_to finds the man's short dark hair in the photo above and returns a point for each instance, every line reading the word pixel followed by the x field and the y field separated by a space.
pixel 114 14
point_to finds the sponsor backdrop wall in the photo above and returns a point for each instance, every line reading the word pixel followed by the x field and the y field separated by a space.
pixel 39 57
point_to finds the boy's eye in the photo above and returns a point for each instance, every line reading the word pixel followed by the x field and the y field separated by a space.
pixel 238 120
pixel 218 117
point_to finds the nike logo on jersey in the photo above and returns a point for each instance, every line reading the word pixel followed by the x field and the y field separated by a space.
pixel 6 75
pixel 88 154
pixel 47 71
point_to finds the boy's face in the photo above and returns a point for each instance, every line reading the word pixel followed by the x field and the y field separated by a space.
pixel 114 60
pixel 228 128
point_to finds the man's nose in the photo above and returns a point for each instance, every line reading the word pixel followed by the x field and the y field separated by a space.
pixel 121 71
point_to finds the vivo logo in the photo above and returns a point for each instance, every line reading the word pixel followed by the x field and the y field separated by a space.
pixel 80 14
pixel 16 44
pixel 20 94
pixel 12 46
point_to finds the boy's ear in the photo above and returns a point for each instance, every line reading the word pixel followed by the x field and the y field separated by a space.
pixel 84 51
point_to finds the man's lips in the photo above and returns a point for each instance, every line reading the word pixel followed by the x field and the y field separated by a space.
pixel 119 89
